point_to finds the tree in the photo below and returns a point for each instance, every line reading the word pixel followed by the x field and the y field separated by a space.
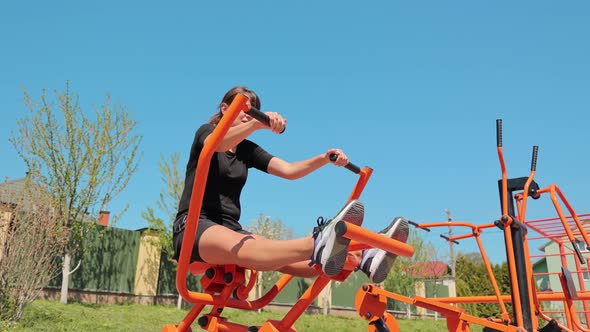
pixel 31 242
pixel 168 204
pixel 167 201
pixel 402 277
pixel 473 279
pixel 85 160
pixel 273 230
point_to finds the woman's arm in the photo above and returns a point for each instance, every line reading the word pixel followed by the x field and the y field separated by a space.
pixel 241 131
pixel 299 169
pixel 238 133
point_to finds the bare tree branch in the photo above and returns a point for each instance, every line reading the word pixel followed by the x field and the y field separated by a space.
pixel 85 160
pixel 31 242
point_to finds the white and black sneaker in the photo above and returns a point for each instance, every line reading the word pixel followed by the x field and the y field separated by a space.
pixel 376 263
pixel 330 250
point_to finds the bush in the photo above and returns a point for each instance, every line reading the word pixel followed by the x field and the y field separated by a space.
pixel 31 242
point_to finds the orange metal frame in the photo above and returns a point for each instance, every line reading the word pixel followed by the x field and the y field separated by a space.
pixel 225 286
pixel 371 299
pixel 553 229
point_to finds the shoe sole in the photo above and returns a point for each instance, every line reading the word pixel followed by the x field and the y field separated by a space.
pixel 353 212
pixel 399 231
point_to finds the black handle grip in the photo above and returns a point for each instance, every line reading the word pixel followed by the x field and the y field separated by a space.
pixel 350 166
pixel 418 226
pixel 258 115
pixel 534 161
pixel 499 132
pixel 448 239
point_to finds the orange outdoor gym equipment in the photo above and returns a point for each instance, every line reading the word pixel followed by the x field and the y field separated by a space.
pixel 525 299
pixel 225 286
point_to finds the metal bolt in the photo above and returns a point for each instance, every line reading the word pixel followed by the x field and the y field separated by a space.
pixel 228 277
pixel 203 321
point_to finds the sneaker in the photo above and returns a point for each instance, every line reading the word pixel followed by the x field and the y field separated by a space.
pixel 330 250
pixel 376 263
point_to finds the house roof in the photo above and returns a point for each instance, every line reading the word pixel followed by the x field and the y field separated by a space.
pixel 432 269
pixel 9 190
pixel 16 192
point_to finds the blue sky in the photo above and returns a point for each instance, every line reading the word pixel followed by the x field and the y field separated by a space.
pixel 411 89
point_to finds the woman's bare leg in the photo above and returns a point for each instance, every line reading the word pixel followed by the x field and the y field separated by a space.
pixel 300 269
pixel 220 245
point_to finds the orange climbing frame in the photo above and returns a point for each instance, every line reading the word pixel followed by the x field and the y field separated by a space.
pixel 370 300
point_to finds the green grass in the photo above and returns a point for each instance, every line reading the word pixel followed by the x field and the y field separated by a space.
pixel 52 316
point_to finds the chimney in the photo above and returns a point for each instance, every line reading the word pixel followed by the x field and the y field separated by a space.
pixel 103 216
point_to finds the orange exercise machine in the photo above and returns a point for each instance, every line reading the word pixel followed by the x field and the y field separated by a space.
pixel 526 301
pixel 226 285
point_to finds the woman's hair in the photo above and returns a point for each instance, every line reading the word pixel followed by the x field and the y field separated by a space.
pixel 229 97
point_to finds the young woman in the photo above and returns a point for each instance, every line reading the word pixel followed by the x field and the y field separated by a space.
pixel 220 238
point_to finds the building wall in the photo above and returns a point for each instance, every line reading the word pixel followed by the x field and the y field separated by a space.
pixel 554 265
pixel 5 217
pixel 148 265
pixel 542 281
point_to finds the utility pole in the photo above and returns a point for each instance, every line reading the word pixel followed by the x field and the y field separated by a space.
pixel 451 249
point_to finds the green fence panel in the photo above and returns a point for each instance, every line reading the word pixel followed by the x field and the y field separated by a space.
pixel 109 262
pixel 436 289
pixel 343 293
pixel 167 278
pixel 293 291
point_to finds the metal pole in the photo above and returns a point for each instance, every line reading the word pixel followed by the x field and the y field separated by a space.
pixel 451 249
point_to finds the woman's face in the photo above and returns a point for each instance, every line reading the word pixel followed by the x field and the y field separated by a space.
pixel 241 118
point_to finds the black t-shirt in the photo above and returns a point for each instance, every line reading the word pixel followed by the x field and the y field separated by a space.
pixel 227 176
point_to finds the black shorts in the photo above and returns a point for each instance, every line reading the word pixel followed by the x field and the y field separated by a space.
pixel 178 235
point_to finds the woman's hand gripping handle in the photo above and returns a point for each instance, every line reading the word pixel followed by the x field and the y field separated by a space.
pixel 262 117
pixel 350 166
